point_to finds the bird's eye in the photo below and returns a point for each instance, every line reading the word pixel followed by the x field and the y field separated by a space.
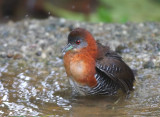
pixel 78 42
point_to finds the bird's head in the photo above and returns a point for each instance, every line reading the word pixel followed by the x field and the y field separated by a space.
pixel 80 39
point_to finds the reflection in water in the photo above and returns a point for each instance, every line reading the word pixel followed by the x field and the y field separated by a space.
pixel 26 93
pixel 47 93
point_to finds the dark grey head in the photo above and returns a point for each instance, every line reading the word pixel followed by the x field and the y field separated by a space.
pixel 76 40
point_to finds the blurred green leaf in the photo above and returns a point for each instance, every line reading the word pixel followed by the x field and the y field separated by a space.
pixel 63 13
pixel 120 11
pixel 104 15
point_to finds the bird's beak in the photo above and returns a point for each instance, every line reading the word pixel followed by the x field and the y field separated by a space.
pixel 67 48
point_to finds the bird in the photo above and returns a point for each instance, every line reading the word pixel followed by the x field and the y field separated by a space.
pixel 94 69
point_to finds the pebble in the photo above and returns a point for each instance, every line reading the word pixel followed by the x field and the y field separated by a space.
pixel 149 64
pixel 17 56
pixel 10 55
pixel 136 42
pixel 3 55
pixel 38 53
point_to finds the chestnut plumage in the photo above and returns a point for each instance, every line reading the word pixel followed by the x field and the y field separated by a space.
pixel 93 68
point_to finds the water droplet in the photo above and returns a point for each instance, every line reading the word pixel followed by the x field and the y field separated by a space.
pixel 26 16
pixel 73 6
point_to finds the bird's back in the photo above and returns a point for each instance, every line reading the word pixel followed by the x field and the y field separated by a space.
pixel 113 70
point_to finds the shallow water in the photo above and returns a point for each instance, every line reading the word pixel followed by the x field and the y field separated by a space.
pixel 37 84
pixel 31 91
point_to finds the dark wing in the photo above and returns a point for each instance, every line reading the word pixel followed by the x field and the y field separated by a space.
pixel 115 68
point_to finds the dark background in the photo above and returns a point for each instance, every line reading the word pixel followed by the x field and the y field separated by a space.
pixel 84 10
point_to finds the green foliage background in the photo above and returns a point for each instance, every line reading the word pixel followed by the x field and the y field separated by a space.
pixel 116 11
